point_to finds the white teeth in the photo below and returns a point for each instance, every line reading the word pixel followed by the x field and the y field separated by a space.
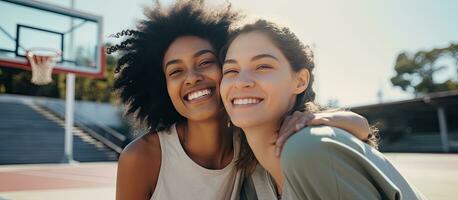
pixel 246 101
pixel 198 94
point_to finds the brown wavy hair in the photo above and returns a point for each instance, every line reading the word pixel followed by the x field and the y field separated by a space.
pixel 299 57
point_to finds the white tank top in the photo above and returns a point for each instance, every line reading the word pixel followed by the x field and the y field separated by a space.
pixel 181 178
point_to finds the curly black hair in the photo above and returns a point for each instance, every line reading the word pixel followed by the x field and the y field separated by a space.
pixel 140 81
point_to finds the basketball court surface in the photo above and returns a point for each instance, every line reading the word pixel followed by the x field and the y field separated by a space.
pixel 58 181
pixel 435 175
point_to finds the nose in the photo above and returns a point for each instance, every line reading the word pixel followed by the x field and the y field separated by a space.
pixel 193 77
pixel 244 80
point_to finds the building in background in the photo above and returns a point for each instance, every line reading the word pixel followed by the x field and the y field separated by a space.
pixel 425 124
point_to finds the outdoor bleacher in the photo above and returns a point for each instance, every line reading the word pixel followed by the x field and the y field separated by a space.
pixel 31 134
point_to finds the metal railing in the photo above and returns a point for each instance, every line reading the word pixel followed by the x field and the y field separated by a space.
pixel 106 135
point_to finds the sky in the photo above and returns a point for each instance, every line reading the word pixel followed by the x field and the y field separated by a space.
pixel 355 42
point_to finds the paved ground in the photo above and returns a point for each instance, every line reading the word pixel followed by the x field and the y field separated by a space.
pixel 89 181
pixel 436 175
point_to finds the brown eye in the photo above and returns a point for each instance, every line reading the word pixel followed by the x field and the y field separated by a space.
pixel 264 67
pixel 229 71
pixel 175 72
pixel 206 63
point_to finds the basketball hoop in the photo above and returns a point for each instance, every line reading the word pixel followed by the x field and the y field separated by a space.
pixel 42 61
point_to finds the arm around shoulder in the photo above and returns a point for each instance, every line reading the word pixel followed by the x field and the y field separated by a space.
pixel 138 168
pixel 351 122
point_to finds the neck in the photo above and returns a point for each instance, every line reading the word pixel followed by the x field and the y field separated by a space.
pixel 207 143
pixel 262 142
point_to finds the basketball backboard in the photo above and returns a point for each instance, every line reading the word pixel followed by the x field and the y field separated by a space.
pixel 28 24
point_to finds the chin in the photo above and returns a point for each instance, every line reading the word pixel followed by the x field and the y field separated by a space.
pixel 206 113
pixel 246 122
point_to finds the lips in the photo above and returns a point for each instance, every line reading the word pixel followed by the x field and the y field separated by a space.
pixel 198 94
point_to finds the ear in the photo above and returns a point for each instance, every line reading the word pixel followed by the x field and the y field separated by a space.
pixel 302 81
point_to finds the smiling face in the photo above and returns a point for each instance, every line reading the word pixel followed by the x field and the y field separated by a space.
pixel 193 75
pixel 259 86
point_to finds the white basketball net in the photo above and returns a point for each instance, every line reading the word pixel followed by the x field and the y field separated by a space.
pixel 42 61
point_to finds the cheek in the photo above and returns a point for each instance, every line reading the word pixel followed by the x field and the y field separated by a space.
pixel 173 90
pixel 216 73
pixel 277 92
pixel 280 91
pixel 224 89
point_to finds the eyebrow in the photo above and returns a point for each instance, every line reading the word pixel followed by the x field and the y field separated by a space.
pixel 230 61
pixel 171 62
pixel 197 54
pixel 264 56
pixel 260 56
pixel 202 52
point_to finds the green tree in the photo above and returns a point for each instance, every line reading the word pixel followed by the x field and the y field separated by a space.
pixel 98 90
pixel 415 72
pixel 452 51
pixel 17 81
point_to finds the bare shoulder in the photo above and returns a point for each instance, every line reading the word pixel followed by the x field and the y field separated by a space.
pixel 145 148
pixel 138 168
